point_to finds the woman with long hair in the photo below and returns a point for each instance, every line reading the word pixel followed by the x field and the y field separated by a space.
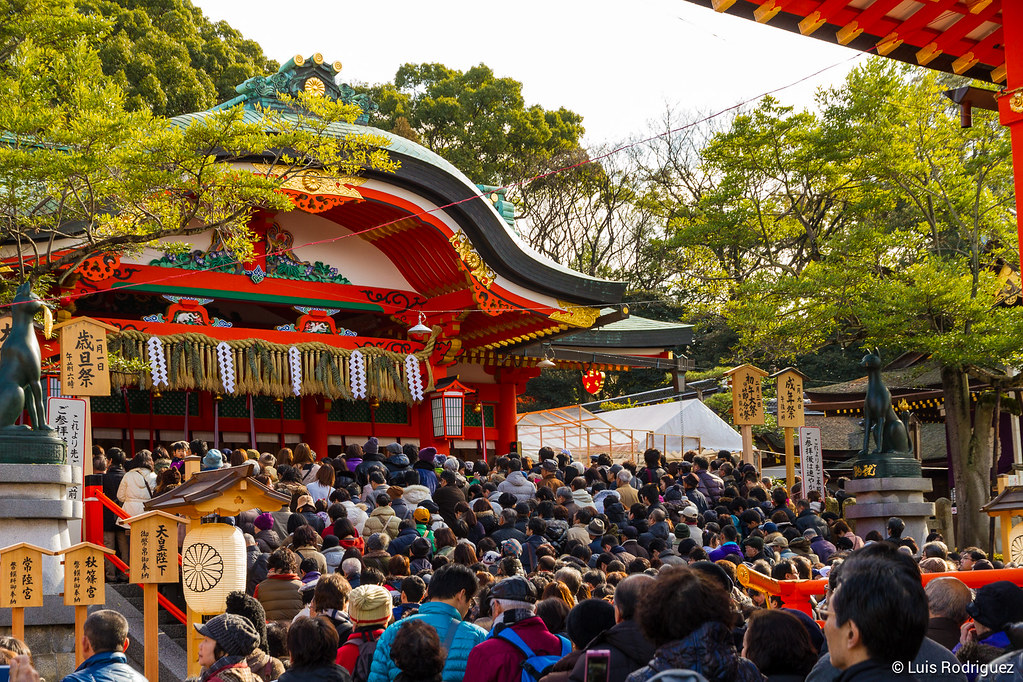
pixel 464 554
pixel 446 542
pixel 323 486
pixel 305 461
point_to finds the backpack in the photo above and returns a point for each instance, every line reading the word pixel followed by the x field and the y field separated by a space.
pixel 534 666
pixel 363 663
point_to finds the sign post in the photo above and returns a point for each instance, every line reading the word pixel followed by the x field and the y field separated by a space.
pixel 83 585
pixel 69 417
pixel 790 414
pixel 154 560
pixel 22 582
pixel 747 404
pixel 811 463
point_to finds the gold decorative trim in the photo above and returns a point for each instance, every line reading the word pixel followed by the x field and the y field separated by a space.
pixel 1016 102
pixel 315 182
pixel 472 261
pixel 337 67
pixel 299 60
pixel 575 315
pixel 318 58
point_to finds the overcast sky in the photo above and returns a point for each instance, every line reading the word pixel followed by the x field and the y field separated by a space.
pixel 618 64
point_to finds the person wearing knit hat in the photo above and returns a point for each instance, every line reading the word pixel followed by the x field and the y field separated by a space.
pixel 511 547
pixel 227 640
pixel 369 607
pixel 398 503
pixel 266 537
pixel 372 447
pixel 424 467
pixel 213 460
pixel 421 550
pixel 263 665
pixel 394 449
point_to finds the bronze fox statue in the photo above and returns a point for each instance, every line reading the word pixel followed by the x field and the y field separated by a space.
pixel 20 377
pixel 879 417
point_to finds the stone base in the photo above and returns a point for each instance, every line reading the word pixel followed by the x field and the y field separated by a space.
pixel 878 499
pixel 22 445
pixel 34 508
pixel 884 466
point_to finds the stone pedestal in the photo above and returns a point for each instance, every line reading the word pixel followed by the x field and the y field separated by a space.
pixel 879 499
pixel 34 508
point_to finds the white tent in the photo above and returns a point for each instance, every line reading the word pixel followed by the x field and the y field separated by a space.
pixel 669 422
pixel 670 427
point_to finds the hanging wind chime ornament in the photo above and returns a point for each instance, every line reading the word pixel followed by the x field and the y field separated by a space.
pixel 225 360
pixel 593 381
pixel 157 361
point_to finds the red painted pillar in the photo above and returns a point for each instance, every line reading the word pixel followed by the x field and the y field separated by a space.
pixel 506 412
pixel 1010 105
pixel 314 415
pixel 92 523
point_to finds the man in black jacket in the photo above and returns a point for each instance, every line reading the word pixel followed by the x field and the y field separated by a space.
pixel 114 537
pixel 629 647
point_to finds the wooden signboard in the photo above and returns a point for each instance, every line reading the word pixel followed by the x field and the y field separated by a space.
pixel 790 398
pixel 747 395
pixel 791 414
pixel 154 547
pixel 22 582
pixel 84 366
pixel 83 574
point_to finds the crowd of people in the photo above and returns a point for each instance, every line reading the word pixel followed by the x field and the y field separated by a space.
pixel 398 563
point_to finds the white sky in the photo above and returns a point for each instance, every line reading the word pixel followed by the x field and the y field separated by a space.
pixel 618 64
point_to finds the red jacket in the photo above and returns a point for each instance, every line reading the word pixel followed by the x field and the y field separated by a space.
pixel 348 653
pixel 495 660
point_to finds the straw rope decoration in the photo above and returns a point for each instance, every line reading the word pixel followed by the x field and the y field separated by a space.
pixel 196 361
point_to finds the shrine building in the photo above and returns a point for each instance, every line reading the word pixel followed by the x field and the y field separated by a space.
pixel 400 305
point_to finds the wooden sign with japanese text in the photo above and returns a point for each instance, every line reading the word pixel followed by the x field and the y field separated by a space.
pixel 69 417
pixel 747 395
pixel 790 398
pixel 83 574
pixel 84 366
pixel 811 461
pixel 22 575
pixel 5 327
pixel 154 547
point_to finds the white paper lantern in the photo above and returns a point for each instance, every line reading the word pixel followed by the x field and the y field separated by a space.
pixel 212 565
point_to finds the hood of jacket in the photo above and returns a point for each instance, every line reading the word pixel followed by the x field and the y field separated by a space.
pixel 382 511
pixel 414 494
pixel 708 650
pixel 601 497
pixel 399 460
pixel 582 498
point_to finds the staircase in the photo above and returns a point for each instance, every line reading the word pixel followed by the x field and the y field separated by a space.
pixel 126 599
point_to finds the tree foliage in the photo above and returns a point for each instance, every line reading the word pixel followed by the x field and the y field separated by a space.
pixel 82 172
pixel 167 56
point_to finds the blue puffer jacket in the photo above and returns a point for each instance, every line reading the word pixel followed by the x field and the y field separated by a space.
pixel 441 617
pixel 109 666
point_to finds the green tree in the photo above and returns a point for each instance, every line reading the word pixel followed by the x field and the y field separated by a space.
pixel 167 56
pixel 475 120
pixel 81 173
pixel 915 267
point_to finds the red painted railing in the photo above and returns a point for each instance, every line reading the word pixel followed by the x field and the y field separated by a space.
pixel 92 526
pixel 796 594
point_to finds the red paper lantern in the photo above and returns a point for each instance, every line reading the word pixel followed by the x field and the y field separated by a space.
pixel 593 381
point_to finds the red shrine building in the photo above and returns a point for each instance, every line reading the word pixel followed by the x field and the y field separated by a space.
pixel 399 305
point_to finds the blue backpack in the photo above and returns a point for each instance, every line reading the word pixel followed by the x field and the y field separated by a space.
pixel 534 667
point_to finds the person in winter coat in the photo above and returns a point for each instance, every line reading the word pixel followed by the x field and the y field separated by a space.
pixel 398 503
pixel 629 648
pixel 305 462
pixel 424 467
pixel 372 460
pixel 136 487
pixel 228 640
pixel 266 538
pixel 549 475
pixel 369 607
pixel 323 485
pixel 421 554
pixel 407 533
pixel 313 644
pixel 376 555
pixel 449 596
pixel 688 616
pixel 710 485
pixel 304 542
pixel 513 605
pixel 517 484
pixel 587 619
pixel 397 464
pixel 264 667
pixel 279 593
pixel 382 519
pixel 779 645
pixel 447 496
pixel 103 645
pixel 332 552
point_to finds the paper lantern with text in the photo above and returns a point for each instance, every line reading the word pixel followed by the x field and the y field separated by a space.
pixel 212 565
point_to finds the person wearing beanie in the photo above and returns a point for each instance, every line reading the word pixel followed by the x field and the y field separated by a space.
pixel 398 503
pixel 267 538
pixel 398 465
pixel 424 467
pixel 214 459
pixel 264 666
pixel 421 551
pixel 376 555
pixel 228 639
pixel 369 607
pixel 996 606
pixel 585 621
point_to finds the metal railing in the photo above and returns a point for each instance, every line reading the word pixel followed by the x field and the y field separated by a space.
pixel 95 500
